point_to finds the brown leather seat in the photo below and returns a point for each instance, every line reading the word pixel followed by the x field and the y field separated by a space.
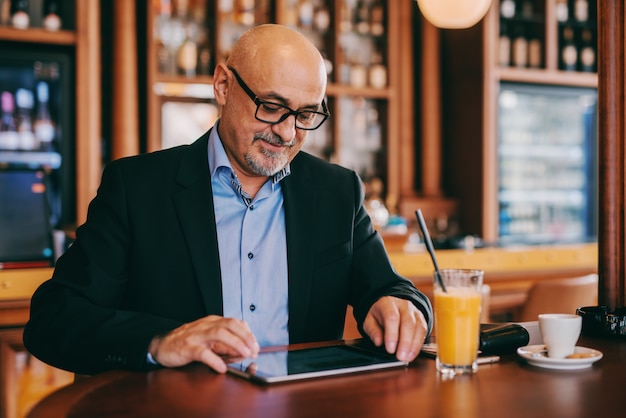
pixel 560 296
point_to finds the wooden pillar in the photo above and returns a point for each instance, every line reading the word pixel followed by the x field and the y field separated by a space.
pixel 431 111
pixel 88 105
pixel 612 153
pixel 125 94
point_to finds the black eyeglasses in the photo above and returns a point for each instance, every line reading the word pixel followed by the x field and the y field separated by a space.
pixel 270 112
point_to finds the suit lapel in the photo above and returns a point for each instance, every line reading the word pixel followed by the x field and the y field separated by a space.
pixel 300 202
pixel 194 206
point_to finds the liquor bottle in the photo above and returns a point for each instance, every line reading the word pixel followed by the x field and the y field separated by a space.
pixel 587 52
pixel 569 52
pixel 24 100
pixel 181 9
pixel 358 74
pixel 9 139
pixel 187 54
pixel 377 19
pixel 345 16
pixel 507 9
pixel 535 49
pixel 52 15
pixel 504 45
pixel 520 47
pixel 204 53
pixel 562 10
pixel 527 9
pixel 43 126
pixel 244 12
pixel 362 18
pixel 321 19
pixel 5 12
pixel 581 10
pixel 20 17
pixel 377 72
pixel 306 11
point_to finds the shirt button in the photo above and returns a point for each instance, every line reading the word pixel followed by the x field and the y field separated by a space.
pixel 250 256
pixel 251 207
pixel 252 307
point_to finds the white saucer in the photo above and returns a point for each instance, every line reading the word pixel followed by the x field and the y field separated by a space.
pixel 537 356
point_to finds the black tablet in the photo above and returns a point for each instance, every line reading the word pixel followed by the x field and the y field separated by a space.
pixel 288 365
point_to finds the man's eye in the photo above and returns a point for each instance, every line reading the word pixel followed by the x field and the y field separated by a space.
pixel 271 107
pixel 306 116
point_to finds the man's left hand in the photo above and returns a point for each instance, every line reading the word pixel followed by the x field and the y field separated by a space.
pixel 398 324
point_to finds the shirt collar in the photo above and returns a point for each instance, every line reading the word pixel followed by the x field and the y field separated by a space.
pixel 218 157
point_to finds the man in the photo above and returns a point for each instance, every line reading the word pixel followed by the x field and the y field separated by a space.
pixel 231 243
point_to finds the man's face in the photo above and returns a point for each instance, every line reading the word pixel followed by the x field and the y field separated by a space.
pixel 260 148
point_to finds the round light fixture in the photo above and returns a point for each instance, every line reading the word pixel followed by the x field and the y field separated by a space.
pixel 454 14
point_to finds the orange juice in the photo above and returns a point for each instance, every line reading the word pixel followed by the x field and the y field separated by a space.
pixel 457 325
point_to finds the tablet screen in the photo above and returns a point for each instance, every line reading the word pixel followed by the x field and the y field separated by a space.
pixel 307 363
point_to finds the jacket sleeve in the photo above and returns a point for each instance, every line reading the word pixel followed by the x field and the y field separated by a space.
pixel 372 266
pixel 78 322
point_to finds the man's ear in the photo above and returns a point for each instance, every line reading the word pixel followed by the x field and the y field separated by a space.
pixel 221 83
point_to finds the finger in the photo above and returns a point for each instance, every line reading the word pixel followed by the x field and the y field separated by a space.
pixel 412 334
pixel 234 337
pixel 373 330
pixel 212 360
pixel 391 327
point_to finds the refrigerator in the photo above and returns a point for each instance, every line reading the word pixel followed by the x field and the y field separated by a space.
pixel 37 167
pixel 547 164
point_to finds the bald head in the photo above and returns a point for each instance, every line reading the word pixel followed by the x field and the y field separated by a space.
pixel 277 49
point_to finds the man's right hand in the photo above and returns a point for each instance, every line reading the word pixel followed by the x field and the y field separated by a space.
pixel 207 341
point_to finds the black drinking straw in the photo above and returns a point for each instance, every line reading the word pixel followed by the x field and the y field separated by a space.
pixel 429 247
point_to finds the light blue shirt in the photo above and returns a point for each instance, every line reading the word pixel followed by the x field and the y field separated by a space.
pixel 252 249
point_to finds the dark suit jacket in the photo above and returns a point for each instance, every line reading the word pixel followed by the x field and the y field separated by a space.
pixel 146 261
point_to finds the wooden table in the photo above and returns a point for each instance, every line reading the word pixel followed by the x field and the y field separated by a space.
pixel 510 388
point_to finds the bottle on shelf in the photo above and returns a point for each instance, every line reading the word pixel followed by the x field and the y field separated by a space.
pixel 377 72
pixel 187 54
pixel 306 13
pixel 504 45
pixel 5 12
pixel 204 53
pixel 20 14
pixel 9 138
pixel 587 52
pixel 569 51
pixel 43 125
pixel 527 9
pixel 581 10
pixel 507 9
pixel 362 18
pixel 25 102
pixel 358 72
pixel 377 18
pixel 52 15
pixel 244 12
pixel 321 18
pixel 520 47
pixel 535 49
pixel 346 12
pixel 562 10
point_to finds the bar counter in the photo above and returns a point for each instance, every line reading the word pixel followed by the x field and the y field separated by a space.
pixel 509 388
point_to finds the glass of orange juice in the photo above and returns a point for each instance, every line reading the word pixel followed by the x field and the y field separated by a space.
pixel 457 320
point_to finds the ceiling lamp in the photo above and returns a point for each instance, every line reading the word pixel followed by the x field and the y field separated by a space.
pixel 453 14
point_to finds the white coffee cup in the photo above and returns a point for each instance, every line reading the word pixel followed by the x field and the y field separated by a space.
pixel 560 333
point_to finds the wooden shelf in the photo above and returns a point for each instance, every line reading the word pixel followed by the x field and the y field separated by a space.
pixel 368 93
pixel 38 36
pixel 546 76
